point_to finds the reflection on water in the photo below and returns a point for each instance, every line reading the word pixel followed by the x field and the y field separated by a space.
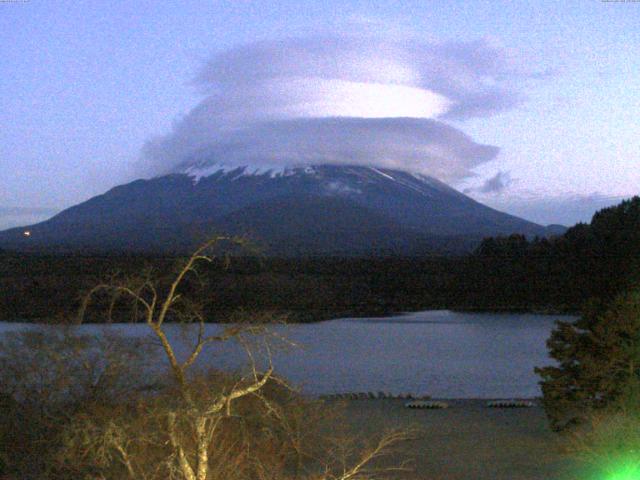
pixel 440 353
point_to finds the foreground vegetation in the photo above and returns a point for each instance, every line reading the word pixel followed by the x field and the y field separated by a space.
pixel 83 407
pixel 79 407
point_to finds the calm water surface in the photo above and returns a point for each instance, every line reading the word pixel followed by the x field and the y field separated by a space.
pixel 440 353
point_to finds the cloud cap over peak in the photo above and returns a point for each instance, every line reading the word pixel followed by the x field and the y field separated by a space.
pixel 343 99
pixel 477 76
pixel 418 145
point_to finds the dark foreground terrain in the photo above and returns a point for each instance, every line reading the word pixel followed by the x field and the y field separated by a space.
pixel 468 441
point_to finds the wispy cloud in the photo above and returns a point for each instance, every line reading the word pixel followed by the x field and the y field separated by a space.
pixel 496 184
pixel 343 99
pixel 559 209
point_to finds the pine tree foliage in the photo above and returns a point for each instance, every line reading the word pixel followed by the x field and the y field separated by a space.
pixel 598 358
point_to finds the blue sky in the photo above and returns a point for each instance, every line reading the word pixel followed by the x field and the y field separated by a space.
pixel 92 90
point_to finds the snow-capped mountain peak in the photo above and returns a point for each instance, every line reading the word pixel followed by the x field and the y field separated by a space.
pixel 198 172
pixel 310 209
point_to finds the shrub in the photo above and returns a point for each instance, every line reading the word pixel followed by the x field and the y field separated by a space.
pixel 49 375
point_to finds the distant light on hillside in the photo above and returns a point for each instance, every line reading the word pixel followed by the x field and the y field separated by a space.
pixel 27 233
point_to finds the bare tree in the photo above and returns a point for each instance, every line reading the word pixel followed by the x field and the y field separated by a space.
pixel 193 417
pixel 156 309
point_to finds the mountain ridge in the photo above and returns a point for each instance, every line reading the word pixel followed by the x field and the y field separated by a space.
pixel 321 209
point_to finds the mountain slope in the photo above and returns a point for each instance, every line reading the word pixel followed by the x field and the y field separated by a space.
pixel 306 210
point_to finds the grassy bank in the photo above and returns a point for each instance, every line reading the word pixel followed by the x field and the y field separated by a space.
pixel 469 441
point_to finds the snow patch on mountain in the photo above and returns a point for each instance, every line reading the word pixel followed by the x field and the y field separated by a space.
pixel 198 172
pixel 330 179
pixel 385 175
pixel 346 180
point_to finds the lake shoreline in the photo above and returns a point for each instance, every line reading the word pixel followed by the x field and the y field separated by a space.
pixel 453 401
pixel 295 318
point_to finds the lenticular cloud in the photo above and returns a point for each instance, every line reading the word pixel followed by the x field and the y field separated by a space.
pixel 341 100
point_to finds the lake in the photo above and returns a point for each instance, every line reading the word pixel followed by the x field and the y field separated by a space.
pixel 441 353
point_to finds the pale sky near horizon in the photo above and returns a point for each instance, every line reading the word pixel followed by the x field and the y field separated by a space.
pixel 91 90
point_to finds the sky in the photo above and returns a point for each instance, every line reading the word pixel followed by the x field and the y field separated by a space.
pixel 529 107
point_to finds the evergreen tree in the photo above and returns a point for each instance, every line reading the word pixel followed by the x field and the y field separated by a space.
pixel 598 359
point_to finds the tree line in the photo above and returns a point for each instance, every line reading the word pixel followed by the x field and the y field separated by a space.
pixel 559 274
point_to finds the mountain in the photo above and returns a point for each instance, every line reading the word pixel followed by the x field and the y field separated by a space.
pixel 345 210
